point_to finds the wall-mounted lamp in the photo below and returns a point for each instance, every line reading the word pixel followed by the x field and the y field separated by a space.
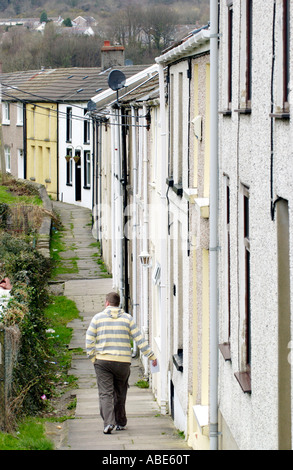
pixel 145 259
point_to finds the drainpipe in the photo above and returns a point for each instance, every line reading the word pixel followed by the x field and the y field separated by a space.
pixel 213 255
pixel 145 271
pixel 119 196
pixel 164 249
pixel 134 228
pixel 114 199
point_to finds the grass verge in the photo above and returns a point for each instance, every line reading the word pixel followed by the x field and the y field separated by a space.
pixel 30 433
pixel 30 436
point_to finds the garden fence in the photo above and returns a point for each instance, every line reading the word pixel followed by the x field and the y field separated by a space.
pixel 9 347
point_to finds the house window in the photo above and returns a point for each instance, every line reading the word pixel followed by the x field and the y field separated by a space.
pixel 6 113
pixel 225 347
pixel 86 129
pixel 243 376
pixel 230 53
pixel 171 134
pixel 248 51
pixel 286 54
pixel 282 55
pixel 180 128
pixel 69 124
pixel 246 243
pixel 7 159
pixel 246 56
pixel 69 167
pixel 87 169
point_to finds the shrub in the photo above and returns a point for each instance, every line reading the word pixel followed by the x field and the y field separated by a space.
pixel 28 272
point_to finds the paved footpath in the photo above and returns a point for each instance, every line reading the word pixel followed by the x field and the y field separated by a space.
pixel 147 429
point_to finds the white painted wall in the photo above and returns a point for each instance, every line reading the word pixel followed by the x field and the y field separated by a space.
pixel 67 192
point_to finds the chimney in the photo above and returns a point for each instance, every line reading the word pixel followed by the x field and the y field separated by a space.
pixel 112 56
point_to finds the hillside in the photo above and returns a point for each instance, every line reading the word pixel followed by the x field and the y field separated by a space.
pixel 144 27
pixel 187 11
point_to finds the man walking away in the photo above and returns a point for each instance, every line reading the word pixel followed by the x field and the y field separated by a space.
pixel 108 347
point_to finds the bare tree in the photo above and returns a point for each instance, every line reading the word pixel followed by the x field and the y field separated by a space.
pixel 159 25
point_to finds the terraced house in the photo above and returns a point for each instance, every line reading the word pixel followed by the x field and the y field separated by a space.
pixel 255 181
pixel 152 220
pixel 47 133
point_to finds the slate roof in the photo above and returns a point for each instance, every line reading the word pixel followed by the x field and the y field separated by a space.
pixel 59 85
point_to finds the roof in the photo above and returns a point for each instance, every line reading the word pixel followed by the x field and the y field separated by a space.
pixel 197 41
pixel 59 85
pixel 107 97
pixel 146 91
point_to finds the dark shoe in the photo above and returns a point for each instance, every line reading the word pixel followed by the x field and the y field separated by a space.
pixel 120 428
pixel 108 429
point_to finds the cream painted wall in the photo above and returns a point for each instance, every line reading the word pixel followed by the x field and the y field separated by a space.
pixel 42 145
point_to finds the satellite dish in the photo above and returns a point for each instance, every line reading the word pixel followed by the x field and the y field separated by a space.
pixel 116 80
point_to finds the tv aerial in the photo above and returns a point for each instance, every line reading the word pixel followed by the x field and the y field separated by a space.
pixel 116 80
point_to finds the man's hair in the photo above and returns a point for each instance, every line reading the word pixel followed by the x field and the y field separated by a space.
pixel 113 298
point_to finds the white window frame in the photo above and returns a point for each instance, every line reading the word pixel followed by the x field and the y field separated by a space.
pixel 87 168
pixel 69 124
pixel 6 113
pixel 86 129
pixel 7 152
pixel 281 106
pixel 244 246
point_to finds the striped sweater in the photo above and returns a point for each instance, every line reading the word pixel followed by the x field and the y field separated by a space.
pixel 108 337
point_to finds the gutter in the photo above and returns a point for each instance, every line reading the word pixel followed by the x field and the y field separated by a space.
pixel 202 38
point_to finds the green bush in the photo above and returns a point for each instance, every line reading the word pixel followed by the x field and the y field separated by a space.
pixel 28 272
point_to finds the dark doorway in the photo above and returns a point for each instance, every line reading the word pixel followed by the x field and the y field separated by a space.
pixel 78 176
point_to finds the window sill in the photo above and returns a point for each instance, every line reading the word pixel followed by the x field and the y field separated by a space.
pixel 226 351
pixel 244 381
pixel 170 182
pixel 178 360
pixel 177 188
pixel 226 112
pixel 243 110
pixel 280 115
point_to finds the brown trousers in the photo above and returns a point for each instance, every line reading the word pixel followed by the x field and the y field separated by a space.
pixel 112 379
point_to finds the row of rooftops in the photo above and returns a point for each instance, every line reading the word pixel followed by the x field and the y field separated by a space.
pixel 87 83
pixel 59 85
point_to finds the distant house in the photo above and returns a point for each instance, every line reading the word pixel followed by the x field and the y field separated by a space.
pixel 77 31
pixel 85 21
pixel 31 23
